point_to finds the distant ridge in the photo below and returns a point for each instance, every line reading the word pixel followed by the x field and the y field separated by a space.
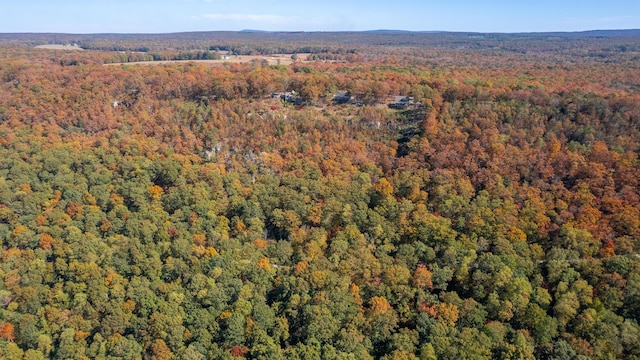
pixel 387 31
pixel 608 33
pixel 391 31
pixel 254 31
pixel 629 32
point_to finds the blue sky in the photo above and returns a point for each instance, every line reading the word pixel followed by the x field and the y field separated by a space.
pixel 161 16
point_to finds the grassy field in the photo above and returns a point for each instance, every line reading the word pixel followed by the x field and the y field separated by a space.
pixel 279 59
pixel 59 47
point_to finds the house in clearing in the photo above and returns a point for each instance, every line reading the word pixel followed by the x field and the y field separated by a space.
pixel 341 97
pixel 115 104
pixel 289 96
pixel 401 102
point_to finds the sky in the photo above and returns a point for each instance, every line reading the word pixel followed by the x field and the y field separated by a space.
pixel 165 16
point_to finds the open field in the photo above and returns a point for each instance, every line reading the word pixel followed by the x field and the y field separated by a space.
pixel 279 59
pixel 60 47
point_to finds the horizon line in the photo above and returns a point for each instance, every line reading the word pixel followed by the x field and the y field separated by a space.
pixel 322 31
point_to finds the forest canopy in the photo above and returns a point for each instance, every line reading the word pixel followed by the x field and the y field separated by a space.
pixel 386 196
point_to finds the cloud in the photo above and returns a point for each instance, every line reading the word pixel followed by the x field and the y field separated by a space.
pixel 261 18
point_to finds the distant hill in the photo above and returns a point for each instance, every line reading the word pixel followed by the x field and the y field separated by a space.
pixel 630 32
pixel 389 31
pixel 384 31
pixel 254 31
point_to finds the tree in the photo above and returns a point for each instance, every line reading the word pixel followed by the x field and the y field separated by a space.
pixel 7 331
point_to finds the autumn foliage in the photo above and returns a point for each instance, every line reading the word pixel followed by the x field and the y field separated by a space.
pixel 199 210
pixel 6 331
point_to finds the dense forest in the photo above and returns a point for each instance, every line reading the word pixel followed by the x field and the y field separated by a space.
pixel 188 210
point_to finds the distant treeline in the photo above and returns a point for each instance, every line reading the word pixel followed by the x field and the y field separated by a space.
pixel 578 45
pixel 124 57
